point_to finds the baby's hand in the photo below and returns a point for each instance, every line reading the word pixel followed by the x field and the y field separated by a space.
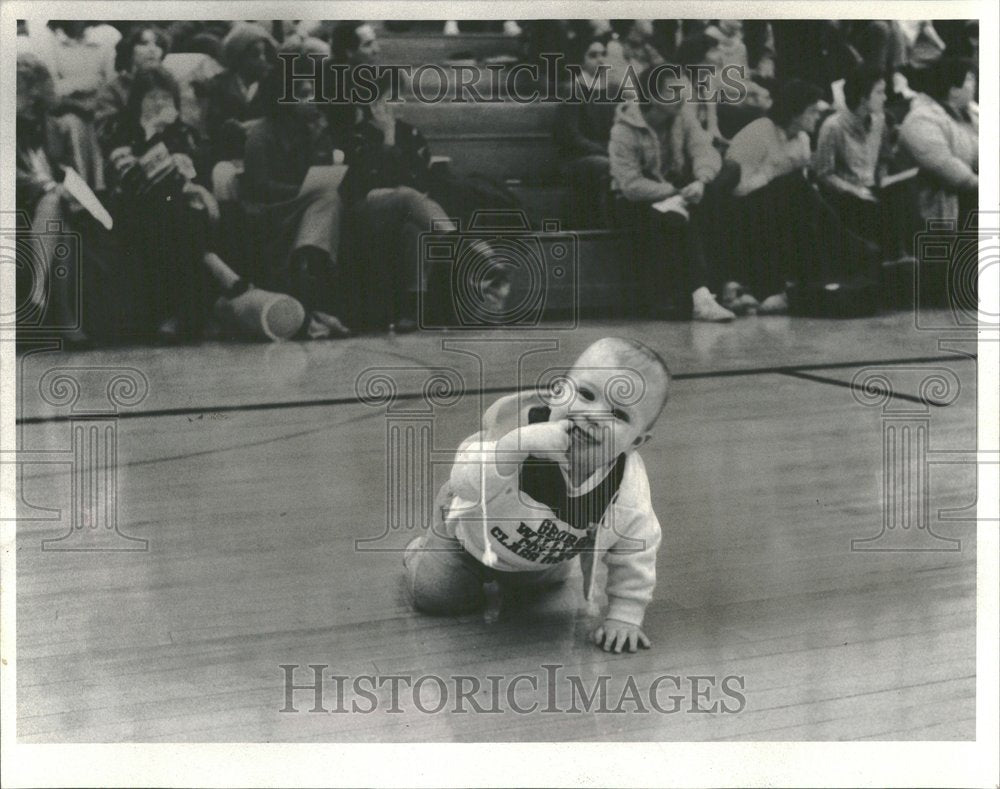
pixel 546 439
pixel 615 634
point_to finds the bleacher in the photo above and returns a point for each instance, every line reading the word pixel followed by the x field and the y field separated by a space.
pixel 512 143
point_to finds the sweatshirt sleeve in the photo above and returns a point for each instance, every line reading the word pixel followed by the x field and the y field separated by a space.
pixel 927 143
pixel 626 170
pixel 476 463
pixel 631 563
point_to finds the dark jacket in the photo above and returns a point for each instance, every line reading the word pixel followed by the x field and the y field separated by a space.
pixel 224 101
pixel 583 128
pixel 373 165
pixel 278 156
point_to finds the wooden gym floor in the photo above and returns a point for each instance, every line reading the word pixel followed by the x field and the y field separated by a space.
pixel 252 470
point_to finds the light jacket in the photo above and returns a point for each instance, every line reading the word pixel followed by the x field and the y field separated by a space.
pixel 626 539
pixel 947 153
pixel 637 166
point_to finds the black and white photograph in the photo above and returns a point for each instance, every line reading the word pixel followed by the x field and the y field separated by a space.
pixel 545 399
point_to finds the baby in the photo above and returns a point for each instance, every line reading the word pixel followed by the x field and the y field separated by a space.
pixel 543 482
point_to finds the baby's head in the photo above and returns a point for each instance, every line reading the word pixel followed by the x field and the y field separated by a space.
pixel 619 388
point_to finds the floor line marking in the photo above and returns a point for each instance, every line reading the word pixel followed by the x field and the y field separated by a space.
pixel 792 370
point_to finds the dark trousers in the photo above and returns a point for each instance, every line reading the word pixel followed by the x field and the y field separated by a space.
pixel 786 232
pixel 676 256
pixel 589 179
pixel 890 222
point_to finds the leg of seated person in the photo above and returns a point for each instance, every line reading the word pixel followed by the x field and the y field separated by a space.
pixel 443 578
pixel 589 178
pixel 400 216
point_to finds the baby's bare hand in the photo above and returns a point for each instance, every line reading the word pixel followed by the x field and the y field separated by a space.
pixel 548 438
pixel 615 635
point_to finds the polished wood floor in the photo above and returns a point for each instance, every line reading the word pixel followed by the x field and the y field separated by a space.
pixel 253 470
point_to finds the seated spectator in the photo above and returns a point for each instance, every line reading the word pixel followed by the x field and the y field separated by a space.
pixel 80 68
pixel 303 222
pixel 942 136
pixel 143 47
pixel 582 131
pixel 853 155
pixel 729 34
pixel 785 232
pixel 631 47
pixel 232 98
pixel 698 52
pixel 163 212
pixel 387 211
pixel 658 151
pixel 43 149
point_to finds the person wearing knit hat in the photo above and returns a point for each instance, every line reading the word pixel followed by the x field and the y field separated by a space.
pixel 232 97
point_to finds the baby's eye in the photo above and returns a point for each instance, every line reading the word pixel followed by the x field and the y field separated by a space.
pixel 586 394
pixel 617 413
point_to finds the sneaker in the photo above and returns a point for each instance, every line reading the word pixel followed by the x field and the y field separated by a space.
pixel 736 299
pixel 404 326
pixel 706 308
pixel 776 304
pixel 411 549
pixel 322 325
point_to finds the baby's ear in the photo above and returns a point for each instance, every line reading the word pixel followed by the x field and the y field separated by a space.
pixel 640 440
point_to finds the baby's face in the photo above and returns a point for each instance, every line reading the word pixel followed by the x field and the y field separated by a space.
pixel 611 408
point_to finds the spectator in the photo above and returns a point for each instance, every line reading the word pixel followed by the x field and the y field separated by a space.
pixel 302 220
pixel 232 97
pixel 658 151
pixel 387 211
pixel 163 212
pixel 43 148
pixel 80 69
pixel 785 232
pixel 143 47
pixel 853 155
pixel 942 136
pixel 582 131
pixel 732 50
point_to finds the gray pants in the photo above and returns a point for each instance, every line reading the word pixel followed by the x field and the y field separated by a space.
pixel 445 579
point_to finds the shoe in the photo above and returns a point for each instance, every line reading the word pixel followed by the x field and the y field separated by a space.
pixel 451 28
pixel 512 28
pixel 735 299
pixel 411 549
pixel 706 308
pixel 337 328
pixel 774 305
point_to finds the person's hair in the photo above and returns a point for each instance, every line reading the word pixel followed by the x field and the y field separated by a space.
pixel 206 44
pixel 636 354
pixel 71 27
pixel 693 49
pixel 944 75
pixel 792 99
pixel 344 39
pixel 146 81
pixel 858 85
pixel 125 48
pixel 576 51
pixel 35 79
